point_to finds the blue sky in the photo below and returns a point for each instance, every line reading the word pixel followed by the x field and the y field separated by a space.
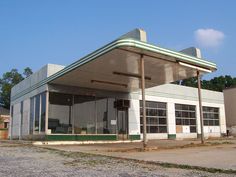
pixel 34 33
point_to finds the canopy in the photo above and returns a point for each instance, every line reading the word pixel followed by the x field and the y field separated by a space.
pixel 116 67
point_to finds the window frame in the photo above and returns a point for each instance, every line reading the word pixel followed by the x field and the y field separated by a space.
pixel 156 108
pixel 184 116
pixel 208 120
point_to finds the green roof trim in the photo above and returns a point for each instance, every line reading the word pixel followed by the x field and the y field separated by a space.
pixel 114 45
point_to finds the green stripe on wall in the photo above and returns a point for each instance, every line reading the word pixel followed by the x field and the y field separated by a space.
pixel 80 137
pixel 134 137
pixel 171 136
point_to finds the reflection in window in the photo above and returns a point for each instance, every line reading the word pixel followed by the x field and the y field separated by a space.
pixel 43 111
pixel 156 117
pixel 59 115
pixel 37 113
pixel 80 114
pixel 84 115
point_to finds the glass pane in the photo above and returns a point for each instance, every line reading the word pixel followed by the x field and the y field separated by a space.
pixel 151 104
pixel 192 121
pixel 186 121
pixel 43 111
pixel 153 129
pixel 178 114
pixel 178 107
pixel 161 105
pixel 211 122
pixel 192 115
pixel 141 129
pixel 59 114
pixel 152 120
pixel 152 112
pixel 161 112
pixel 37 108
pixel 193 129
pixel 84 112
pixel 205 122
pixel 178 122
pixel 162 129
pixel 162 121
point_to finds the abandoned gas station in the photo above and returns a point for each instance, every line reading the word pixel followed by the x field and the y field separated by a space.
pixel 119 92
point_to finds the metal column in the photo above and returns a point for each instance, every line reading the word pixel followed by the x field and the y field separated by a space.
pixel 144 102
pixel 200 106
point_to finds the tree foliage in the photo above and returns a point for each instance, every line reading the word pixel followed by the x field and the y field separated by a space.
pixel 27 72
pixel 8 80
pixel 215 84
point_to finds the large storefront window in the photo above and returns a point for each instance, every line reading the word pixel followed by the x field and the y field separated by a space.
pixel 84 115
pixel 156 117
pixel 37 113
pixel 59 116
pixel 43 112
pixel 186 115
pixel 210 116
pixel 79 114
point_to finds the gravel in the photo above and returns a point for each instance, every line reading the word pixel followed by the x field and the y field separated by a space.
pixel 24 160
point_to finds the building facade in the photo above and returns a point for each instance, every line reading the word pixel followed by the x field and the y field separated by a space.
pixel 230 111
pixel 98 98
pixel 76 113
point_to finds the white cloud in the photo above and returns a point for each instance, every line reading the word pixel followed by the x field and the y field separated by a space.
pixel 209 38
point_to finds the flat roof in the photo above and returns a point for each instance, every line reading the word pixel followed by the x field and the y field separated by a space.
pixel 111 66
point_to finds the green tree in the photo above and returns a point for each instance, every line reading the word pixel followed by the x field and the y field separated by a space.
pixel 9 80
pixel 215 84
pixel 27 72
pixel 191 82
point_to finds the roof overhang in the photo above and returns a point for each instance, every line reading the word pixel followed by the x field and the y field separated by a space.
pixel 116 67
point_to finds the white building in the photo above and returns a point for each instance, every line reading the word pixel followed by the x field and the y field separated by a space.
pixel 97 97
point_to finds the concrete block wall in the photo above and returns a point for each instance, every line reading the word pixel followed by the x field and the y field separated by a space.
pixel 134 117
pixel 35 78
pixel 171 128
pixel 15 132
pixel 26 117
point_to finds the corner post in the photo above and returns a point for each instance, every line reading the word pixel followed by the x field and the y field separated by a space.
pixel 46 112
pixel 143 101
pixel 200 106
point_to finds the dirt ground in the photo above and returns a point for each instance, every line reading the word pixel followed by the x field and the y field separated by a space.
pixel 22 159
pixel 215 153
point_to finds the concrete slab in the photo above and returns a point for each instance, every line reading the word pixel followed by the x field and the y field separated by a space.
pixel 220 155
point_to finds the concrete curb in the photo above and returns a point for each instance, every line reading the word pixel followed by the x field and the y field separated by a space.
pixel 82 142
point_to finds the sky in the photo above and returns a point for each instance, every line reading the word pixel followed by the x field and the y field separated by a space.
pixel 36 32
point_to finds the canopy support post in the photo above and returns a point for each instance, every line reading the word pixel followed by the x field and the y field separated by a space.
pixel 144 102
pixel 200 106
